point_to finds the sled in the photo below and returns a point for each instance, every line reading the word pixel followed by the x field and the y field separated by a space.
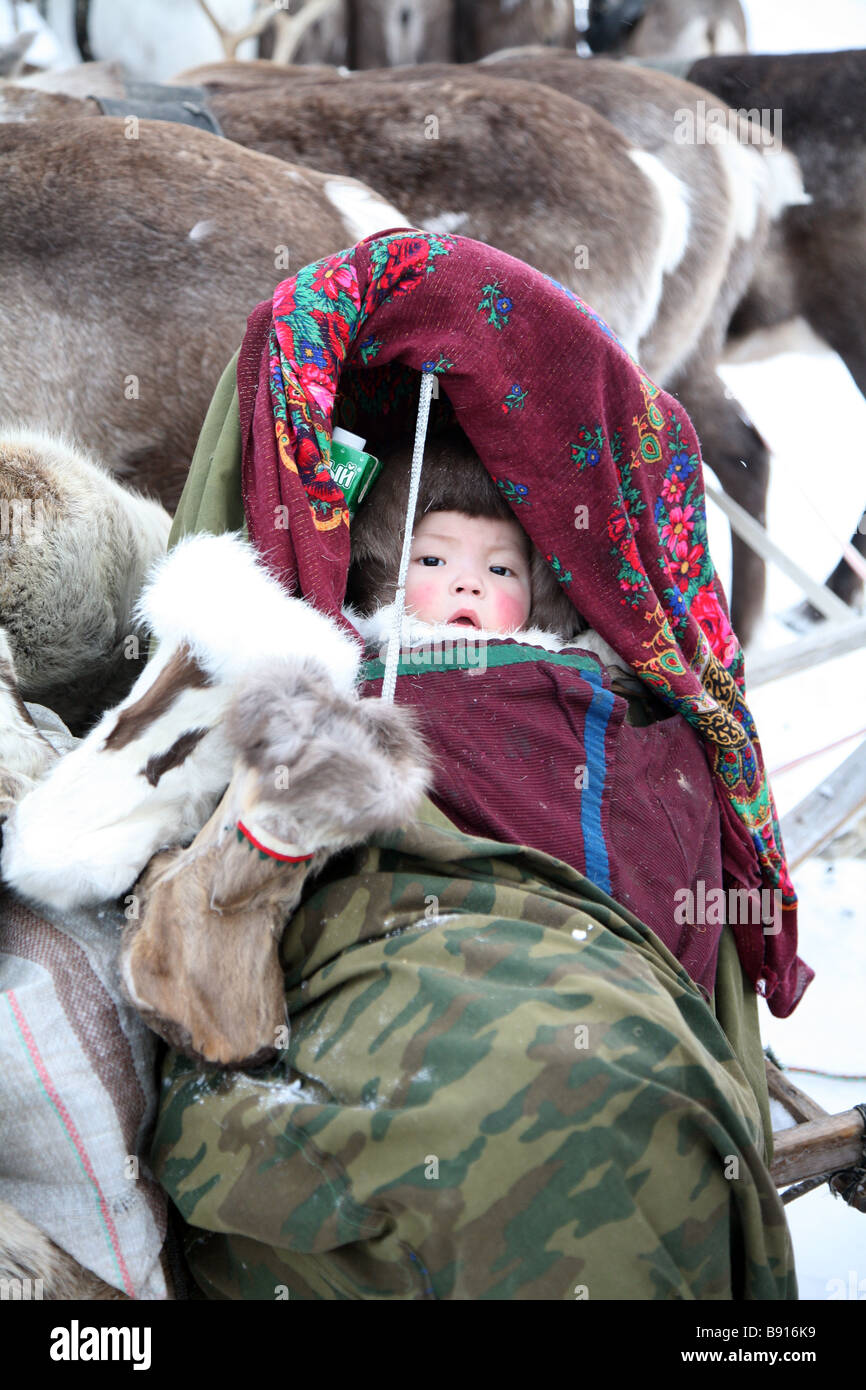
pixel 820 1147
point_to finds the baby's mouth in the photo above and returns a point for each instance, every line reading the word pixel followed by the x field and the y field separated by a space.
pixel 465 616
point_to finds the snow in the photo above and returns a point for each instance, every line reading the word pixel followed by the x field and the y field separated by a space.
pixel 801 26
pixel 46 50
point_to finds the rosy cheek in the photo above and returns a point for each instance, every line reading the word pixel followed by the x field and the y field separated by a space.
pixel 510 610
pixel 420 590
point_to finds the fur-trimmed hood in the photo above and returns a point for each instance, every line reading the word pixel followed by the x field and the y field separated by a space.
pixel 375 628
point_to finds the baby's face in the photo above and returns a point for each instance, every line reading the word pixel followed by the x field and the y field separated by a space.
pixel 469 565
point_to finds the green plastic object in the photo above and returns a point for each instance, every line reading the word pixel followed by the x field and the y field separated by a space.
pixel 353 470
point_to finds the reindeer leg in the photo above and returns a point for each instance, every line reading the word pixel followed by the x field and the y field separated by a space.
pixel 200 955
pixel 844 581
pixel 837 315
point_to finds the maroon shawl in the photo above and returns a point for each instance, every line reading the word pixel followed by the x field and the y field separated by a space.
pixel 600 466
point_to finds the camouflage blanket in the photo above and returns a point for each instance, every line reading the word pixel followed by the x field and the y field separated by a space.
pixel 497 1084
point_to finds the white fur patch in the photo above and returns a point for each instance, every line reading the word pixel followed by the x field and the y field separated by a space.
pixel 745 172
pixel 402 30
pixel 212 593
pixel 445 222
pixel 86 832
pixel 202 229
pixel 673 197
pixel 693 40
pixel 363 211
pixel 727 38
pixel 785 182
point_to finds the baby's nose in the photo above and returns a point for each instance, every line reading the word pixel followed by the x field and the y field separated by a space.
pixel 468 583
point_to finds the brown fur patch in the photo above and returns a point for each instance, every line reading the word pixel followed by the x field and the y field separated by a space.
pixel 173 756
pixel 27 1253
pixel 202 958
pixel 181 673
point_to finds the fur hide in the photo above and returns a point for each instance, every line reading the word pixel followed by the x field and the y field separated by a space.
pixel 76 547
pixel 29 1258
pixel 153 769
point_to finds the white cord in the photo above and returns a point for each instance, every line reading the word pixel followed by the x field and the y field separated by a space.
pixel 389 680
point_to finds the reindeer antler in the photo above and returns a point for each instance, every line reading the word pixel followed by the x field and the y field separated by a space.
pixel 290 28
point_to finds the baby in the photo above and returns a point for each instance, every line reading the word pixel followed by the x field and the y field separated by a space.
pixel 471 567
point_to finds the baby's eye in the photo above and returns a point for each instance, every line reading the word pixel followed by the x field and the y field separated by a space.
pixel 435 558
pixel 502 567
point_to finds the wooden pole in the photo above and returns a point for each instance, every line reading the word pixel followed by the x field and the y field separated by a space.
pixel 826 810
pixel 817 1146
pixel 830 640
pixel 755 535
pixel 819 1143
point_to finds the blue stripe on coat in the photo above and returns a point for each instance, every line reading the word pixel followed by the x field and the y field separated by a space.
pixel 592 795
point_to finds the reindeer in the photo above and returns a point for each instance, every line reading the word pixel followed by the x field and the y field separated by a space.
pixel 13 54
pixel 122 305
pixel 484 26
pixel 389 33
pixel 667 29
pixel 468 180
pixel 75 547
pixel 486 174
